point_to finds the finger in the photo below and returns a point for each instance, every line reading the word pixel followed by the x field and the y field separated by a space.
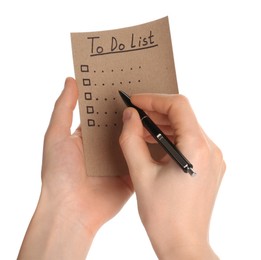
pixel 180 114
pixel 62 115
pixel 152 140
pixel 158 119
pixel 78 131
pixel 133 146
pixel 167 130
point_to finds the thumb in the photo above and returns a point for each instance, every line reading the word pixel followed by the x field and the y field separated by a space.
pixel 62 115
pixel 132 143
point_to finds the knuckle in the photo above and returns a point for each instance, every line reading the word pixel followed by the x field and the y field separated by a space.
pixel 181 99
pixel 220 159
pixel 124 139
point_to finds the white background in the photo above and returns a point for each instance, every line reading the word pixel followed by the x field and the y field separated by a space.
pixel 217 55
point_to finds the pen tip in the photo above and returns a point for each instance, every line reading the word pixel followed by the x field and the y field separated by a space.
pixel 191 172
pixel 122 92
pixel 124 95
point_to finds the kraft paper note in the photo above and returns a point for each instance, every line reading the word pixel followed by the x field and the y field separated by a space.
pixel 136 59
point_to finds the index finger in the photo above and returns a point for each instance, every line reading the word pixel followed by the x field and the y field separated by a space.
pixel 177 108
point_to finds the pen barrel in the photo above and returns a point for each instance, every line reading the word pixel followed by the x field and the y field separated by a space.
pixel 166 144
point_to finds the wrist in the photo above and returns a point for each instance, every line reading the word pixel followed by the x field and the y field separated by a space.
pixel 55 233
pixel 186 245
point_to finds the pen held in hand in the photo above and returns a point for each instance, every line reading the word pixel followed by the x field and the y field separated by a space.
pixel 160 137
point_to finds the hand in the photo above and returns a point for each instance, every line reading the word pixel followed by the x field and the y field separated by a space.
pixel 174 207
pixel 72 206
pixel 64 175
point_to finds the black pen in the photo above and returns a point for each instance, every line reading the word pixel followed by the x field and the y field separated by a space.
pixel 160 137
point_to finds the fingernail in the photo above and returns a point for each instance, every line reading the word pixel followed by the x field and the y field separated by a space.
pixel 126 115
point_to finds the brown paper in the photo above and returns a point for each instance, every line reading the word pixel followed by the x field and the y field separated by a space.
pixel 135 59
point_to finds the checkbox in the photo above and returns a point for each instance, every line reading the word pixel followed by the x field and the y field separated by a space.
pixel 91 122
pixel 88 95
pixel 84 68
pixel 90 109
pixel 86 82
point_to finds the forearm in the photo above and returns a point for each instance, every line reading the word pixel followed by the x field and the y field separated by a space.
pixel 51 235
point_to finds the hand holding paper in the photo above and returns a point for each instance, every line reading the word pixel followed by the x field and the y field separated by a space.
pixel 72 205
pixel 135 59
pixel 174 208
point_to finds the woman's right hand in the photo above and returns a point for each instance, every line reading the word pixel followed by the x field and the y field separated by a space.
pixel 174 207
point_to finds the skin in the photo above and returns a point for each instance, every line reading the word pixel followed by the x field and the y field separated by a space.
pixel 175 209
pixel 72 206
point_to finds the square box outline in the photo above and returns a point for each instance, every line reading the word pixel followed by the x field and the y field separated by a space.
pixel 86 82
pixel 84 68
pixel 91 122
pixel 89 109
pixel 88 96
